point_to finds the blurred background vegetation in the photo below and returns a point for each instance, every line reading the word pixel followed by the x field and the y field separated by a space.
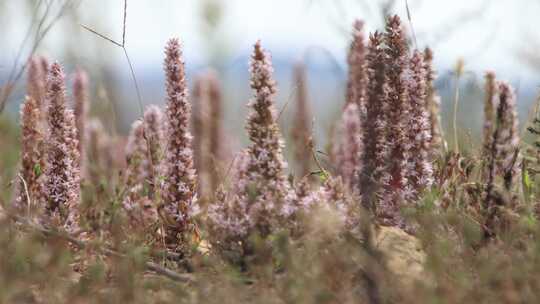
pixel 487 35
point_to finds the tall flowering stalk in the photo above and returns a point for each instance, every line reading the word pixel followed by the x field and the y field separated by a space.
pixel 62 174
pixel 348 154
pixel 490 107
pixel 501 134
pixel 265 170
pixel 507 140
pixel 356 60
pixel 374 124
pixel 80 98
pixel 179 185
pixel 141 168
pixel 348 151
pixel 36 82
pixel 396 188
pixel 420 170
pixel 260 199
pixel 154 136
pixel 199 125
pixel 503 155
pixel 32 157
pixel 136 156
pixel 215 134
pixel 207 125
pixel 301 132
pixel 433 103
pixel 32 137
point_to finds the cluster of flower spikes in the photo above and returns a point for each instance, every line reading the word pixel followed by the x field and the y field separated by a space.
pixel 408 169
pixel 387 151
pixel 260 199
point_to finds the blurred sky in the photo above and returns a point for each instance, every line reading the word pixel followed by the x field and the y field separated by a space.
pixel 488 34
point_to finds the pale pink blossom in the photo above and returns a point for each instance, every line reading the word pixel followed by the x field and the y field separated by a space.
pixel 62 174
